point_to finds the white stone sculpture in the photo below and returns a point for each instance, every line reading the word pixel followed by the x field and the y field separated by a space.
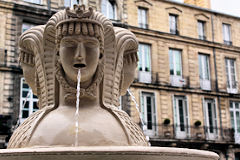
pixel 51 56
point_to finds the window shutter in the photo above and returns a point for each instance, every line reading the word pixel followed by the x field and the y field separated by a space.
pixel 235 85
pixel 187 115
pixel 224 32
pixel 204 111
pixel 174 109
pixel 140 50
pixel 147 58
pixel 154 113
pixel 139 16
pixel 142 107
pixel 215 115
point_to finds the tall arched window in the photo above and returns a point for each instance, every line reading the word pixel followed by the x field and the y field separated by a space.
pixel 109 9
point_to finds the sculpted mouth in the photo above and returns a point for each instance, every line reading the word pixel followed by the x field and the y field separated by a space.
pixel 79 65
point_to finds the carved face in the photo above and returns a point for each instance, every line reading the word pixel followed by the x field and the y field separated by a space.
pixel 79 52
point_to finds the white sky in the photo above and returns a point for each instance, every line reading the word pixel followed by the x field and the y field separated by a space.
pixel 231 7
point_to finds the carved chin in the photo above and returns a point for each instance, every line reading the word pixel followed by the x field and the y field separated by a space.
pixel 70 91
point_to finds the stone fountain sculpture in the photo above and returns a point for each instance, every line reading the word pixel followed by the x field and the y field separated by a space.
pixel 51 57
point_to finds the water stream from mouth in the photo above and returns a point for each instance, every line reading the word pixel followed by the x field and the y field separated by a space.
pixel 77 108
pixel 144 127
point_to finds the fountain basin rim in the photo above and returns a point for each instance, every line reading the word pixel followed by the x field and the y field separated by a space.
pixel 109 150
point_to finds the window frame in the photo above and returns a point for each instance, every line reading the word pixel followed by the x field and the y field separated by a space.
pixel 142 18
pixel 142 57
pixel 175 29
pixel 174 61
pixel 205 66
pixel 214 134
pixel 30 98
pixel 71 3
pixel 231 88
pixel 201 32
pixel 236 126
pixel 204 71
pixel 226 36
pixel 144 63
pixel 153 130
pixel 176 115
pixel 107 5
pixel 26 26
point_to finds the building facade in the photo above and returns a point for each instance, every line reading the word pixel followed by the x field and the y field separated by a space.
pixel 187 78
pixel 186 83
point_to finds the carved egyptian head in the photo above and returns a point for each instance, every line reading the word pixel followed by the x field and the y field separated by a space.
pixel 80 42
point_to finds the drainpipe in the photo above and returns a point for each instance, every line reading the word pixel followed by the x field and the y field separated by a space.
pixel 216 84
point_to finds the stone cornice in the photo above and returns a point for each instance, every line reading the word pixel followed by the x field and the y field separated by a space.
pixel 186 90
pixel 10 69
pixel 189 40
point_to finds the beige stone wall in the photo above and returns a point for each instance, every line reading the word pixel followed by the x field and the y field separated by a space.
pixel 164 107
pixel 158 19
pixel 160 60
pixel 199 3
pixel 158 12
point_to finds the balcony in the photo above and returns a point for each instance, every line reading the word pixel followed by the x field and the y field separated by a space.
pixel 205 84
pixel 153 78
pixel 177 81
pixel 233 88
pixel 193 133
pixel 147 77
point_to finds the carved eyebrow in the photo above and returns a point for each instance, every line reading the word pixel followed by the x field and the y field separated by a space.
pixel 95 41
pixel 68 39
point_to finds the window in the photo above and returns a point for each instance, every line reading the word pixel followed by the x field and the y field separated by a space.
pixel 144 64
pixel 235 119
pixel 109 9
pixel 201 30
pixel 33 1
pixel 237 156
pixel 142 18
pixel 28 101
pixel 26 26
pixel 204 71
pixel 175 60
pixel 173 24
pixel 181 121
pixel 227 34
pixel 148 112
pixel 210 118
pixel 70 3
pixel 175 65
pixel 231 75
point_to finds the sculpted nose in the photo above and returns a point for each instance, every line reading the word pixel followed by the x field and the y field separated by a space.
pixel 80 52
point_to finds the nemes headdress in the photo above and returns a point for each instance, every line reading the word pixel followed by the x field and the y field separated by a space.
pixel 42 42
pixel 80 22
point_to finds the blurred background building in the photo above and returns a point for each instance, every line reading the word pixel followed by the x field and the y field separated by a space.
pixel 186 83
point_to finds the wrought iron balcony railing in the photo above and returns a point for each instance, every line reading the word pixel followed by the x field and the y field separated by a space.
pixel 185 132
